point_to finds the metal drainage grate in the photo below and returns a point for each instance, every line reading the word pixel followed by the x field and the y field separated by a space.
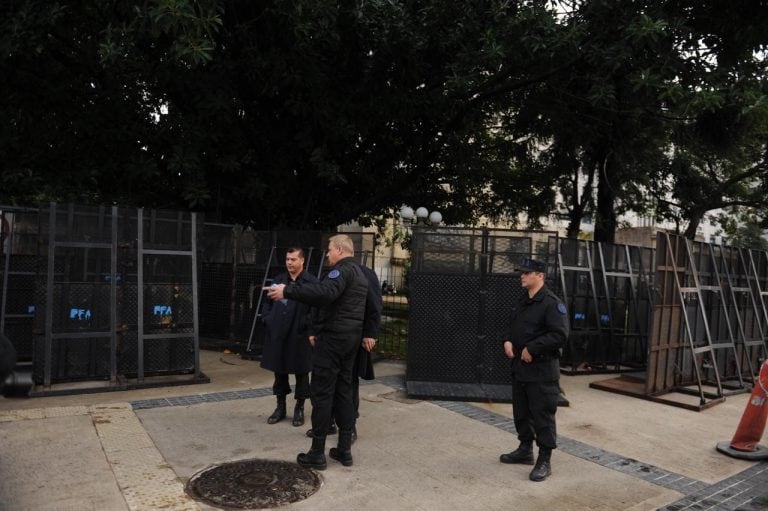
pixel 250 484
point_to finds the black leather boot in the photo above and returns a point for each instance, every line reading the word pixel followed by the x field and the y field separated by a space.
pixel 543 468
pixel 279 413
pixel 522 455
pixel 298 413
pixel 315 457
pixel 343 452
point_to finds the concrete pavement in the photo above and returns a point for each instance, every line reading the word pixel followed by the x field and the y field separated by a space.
pixel 135 450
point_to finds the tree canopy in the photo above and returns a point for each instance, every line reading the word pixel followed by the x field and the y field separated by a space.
pixel 311 113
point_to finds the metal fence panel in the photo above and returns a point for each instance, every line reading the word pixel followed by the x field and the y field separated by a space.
pixel 462 285
pixel 606 288
pixel 20 261
pixel 81 285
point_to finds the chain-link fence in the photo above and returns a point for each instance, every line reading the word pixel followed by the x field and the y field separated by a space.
pixel 393 335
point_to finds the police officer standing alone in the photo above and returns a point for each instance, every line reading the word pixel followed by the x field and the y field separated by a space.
pixel 538 330
pixel 340 299
pixel 286 344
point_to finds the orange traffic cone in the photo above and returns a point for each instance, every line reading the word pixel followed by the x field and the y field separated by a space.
pixel 744 444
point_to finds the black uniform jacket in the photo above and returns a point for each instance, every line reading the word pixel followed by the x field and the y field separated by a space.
pixel 540 324
pixel 339 298
pixel 286 341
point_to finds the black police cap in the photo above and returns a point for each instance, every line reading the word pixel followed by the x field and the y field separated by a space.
pixel 529 264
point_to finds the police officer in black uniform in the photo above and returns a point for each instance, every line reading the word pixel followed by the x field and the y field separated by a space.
pixel 363 367
pixel 538 330
pixel 340 299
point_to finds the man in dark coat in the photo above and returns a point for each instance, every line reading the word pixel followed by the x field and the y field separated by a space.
pixel 363 364
pixel 286 343
pixel 538 330
pixel 339 299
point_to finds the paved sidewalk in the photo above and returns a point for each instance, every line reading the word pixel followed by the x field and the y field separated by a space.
pixel 135 450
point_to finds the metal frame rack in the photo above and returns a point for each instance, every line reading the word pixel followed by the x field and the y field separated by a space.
pixel 757 329
pixel 605 287
pixel 706 331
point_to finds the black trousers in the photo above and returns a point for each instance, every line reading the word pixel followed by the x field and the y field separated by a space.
pixel 332 388
pixel 534 405
pixel 355 388
pixel 282 387
pixel 356 385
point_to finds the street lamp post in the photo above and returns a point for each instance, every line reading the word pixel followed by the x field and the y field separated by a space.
pixel 413 219
pixel 420 216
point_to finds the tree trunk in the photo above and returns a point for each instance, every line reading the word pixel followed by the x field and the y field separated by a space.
pixel 574 221
pixel 572 231
pixel 580 199
pixel 605 221
pixel 693 224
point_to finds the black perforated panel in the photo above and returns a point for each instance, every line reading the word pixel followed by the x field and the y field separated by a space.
pixel 462 289
pixel 443 328
pixel 503 291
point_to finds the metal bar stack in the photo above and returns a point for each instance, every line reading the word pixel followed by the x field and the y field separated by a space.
pixel 757 281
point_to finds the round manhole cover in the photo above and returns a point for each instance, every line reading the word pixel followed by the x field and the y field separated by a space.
pixel 250 484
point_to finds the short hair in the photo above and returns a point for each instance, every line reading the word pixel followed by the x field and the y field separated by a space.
pixel 296 249
pixel 343 242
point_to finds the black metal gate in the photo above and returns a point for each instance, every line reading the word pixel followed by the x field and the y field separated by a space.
pixel 462 282
pixel 101 294
pixel 21 263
